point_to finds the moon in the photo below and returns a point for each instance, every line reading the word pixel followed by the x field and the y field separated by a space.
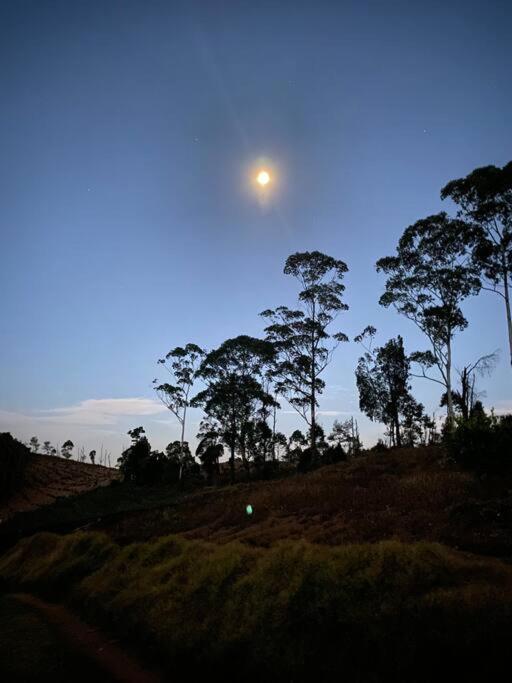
pixel 263 178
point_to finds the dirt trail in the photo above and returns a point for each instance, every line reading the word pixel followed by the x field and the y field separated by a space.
pixel 90 643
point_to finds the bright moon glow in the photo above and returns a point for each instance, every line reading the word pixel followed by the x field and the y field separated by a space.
pixel 263 178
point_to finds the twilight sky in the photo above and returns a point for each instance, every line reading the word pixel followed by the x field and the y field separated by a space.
pixel 128 130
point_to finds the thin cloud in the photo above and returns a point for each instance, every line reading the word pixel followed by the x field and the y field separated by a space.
pixel 327 413
pixel 102 411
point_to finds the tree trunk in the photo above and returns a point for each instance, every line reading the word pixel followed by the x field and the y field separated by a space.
pixel 465 394
pixel 398 438
pixel 449 397
pixel 274 435
pixel 181 443
pixel 507 308
pixel 313 392
pixel 232 463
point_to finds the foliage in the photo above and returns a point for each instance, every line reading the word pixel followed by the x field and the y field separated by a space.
pixel 34 444
pixel 428 279
pixel 383 382
pixel 209 449
pixel 301 337
pixel 291 612
pixel 66 449
pixel 346 434
pixel 465 398
pixel 13 459
pixel 485 200
pixel 140 465
pixel 234 374
pixel 182 365
pixel 483 442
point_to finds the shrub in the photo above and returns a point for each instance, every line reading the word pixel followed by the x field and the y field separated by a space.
pixel 483 443
pixel 13 459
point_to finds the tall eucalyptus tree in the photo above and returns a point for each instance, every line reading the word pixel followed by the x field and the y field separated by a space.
pixel 182 364
pixel 485 199
pixel 428 279
pixel 301 336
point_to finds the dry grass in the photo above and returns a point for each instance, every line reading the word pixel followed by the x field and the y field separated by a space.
pixel 405 495
pixel 296 611
pixel 47 478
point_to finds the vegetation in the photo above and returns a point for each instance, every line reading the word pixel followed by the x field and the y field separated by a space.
pixel 182 364
pixel 140 465
pixel 338 571
pixel 485 200
pixel 291 612
pixel 383 380
pixel 13 460
pixel 483 443
pixel 235 397
pixel 428 279
pixel 301 337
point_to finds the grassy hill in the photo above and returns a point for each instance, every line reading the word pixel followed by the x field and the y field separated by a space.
pixel 407 495
pixel 370 570
pixel 47 478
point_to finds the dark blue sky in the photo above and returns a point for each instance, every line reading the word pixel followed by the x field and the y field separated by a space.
pixel 127 131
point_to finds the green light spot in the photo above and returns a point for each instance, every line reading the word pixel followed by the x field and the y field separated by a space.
pixel 248 509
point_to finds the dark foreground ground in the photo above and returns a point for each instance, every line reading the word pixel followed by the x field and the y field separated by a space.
pixel 390 567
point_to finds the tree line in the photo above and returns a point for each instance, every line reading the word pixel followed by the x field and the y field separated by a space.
pixel 439 262
pixel 66 451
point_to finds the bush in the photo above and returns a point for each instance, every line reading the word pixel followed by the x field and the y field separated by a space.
pixel 13 459
pixel 483 443
pixel 296 611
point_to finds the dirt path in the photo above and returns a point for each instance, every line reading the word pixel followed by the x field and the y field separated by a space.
pixel 90 643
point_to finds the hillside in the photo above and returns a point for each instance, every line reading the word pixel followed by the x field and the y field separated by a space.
pixel 407 495
pixel 47 478
pixel 369 567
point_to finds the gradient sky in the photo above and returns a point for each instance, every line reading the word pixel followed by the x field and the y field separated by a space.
pixel 127 131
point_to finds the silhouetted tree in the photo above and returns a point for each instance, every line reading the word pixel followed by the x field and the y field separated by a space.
pixel 92 456
pixel 179 462
pixel 485 199
pixel 209 449
pixel 427 281
pixel 465 397
pixel 346 434
pixel 383 381
pixel 233 374
pixel 310 458
pixel 134 461
pixel 428 430
pixel 279 445
pixel 66 449
pixel 411 422
pixel 259 442
pixel 34 444
pixel 47 448
pixel 296 443
pixel 182 364
pixel 301 337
